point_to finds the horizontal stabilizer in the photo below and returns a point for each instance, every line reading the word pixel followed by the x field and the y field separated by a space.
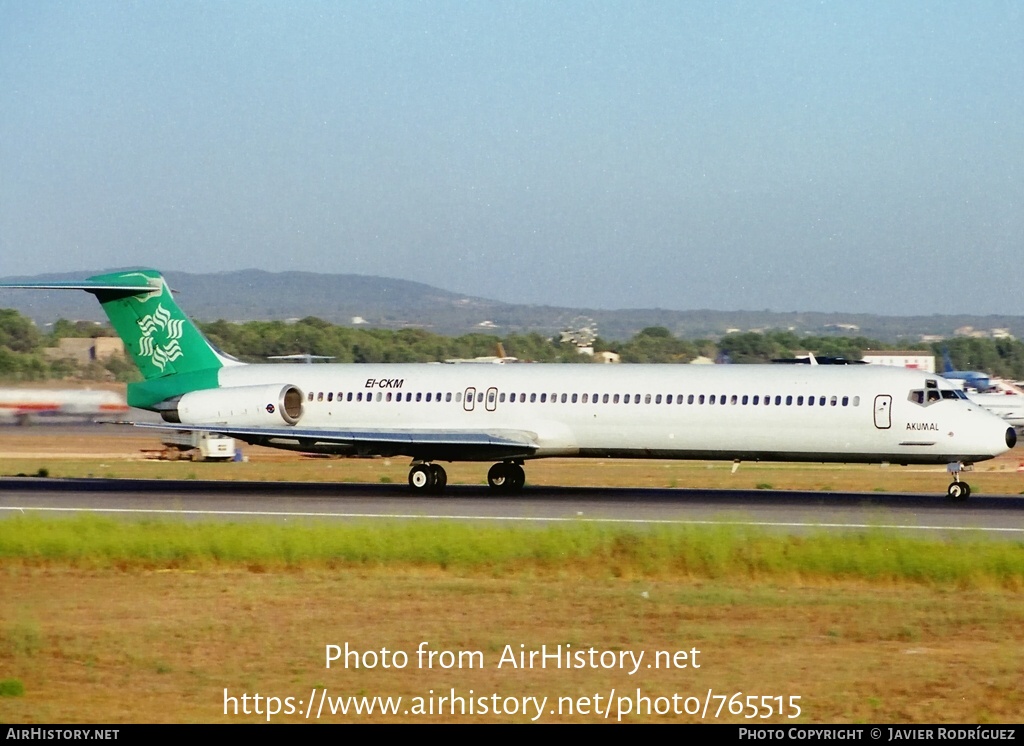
pixel 131 288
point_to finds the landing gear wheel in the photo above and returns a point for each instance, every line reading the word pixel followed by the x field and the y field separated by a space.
pixel 518 478
pixel 421 477
pixel 506 477
pixel 958 491
pixel 497 477
pixel 440 478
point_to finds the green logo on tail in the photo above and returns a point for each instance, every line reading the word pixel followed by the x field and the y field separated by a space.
pixel 160 320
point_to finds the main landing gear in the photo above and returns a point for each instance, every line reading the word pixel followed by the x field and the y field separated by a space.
pixel 428 478
pixel 507 476
pixel 958 490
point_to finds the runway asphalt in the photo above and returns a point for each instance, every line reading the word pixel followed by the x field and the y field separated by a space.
pixel 792 512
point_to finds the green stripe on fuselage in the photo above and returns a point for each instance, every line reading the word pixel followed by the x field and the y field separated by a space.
pixel 146 394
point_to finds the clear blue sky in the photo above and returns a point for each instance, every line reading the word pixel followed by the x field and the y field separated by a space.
pixel 849 156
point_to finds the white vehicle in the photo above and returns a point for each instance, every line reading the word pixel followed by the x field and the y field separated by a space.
pixel 509 414
pixel 199 446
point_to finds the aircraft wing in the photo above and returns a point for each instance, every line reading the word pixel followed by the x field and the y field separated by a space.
pixel 428 445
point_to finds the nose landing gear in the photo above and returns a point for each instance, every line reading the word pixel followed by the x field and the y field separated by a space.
pixel 958 490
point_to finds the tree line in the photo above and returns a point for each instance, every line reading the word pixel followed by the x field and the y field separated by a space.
pixel 22 346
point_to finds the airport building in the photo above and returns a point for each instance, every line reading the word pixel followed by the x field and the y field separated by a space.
pixel 917 359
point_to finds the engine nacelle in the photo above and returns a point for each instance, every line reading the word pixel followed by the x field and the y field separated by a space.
pixel 240 406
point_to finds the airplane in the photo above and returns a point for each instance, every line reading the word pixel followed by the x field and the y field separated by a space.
pixel 24 406
pixel 1003 400
pixel 303 356
pixel 974 379
pixel 997 396
pixel 510 414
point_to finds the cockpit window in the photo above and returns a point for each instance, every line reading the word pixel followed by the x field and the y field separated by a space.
pixel 924 397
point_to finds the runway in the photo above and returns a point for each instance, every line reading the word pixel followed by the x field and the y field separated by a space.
pixel 790 512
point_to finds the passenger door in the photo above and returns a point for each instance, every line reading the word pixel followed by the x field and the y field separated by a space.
pixel 883 411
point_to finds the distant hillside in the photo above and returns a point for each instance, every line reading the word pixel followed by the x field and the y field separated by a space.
pixel 254 294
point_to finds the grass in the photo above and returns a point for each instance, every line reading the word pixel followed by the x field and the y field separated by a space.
pixel 867 627
pixel 12 688
pixel 725 552
pixel 161 645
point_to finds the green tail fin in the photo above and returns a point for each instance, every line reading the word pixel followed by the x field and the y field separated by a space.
pixel 170 352
pixel 160 338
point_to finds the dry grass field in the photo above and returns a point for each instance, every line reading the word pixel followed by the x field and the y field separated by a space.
pixel 137 645
pixel 138 642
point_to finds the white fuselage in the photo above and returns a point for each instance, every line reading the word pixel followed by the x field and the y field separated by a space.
pixel 744 412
